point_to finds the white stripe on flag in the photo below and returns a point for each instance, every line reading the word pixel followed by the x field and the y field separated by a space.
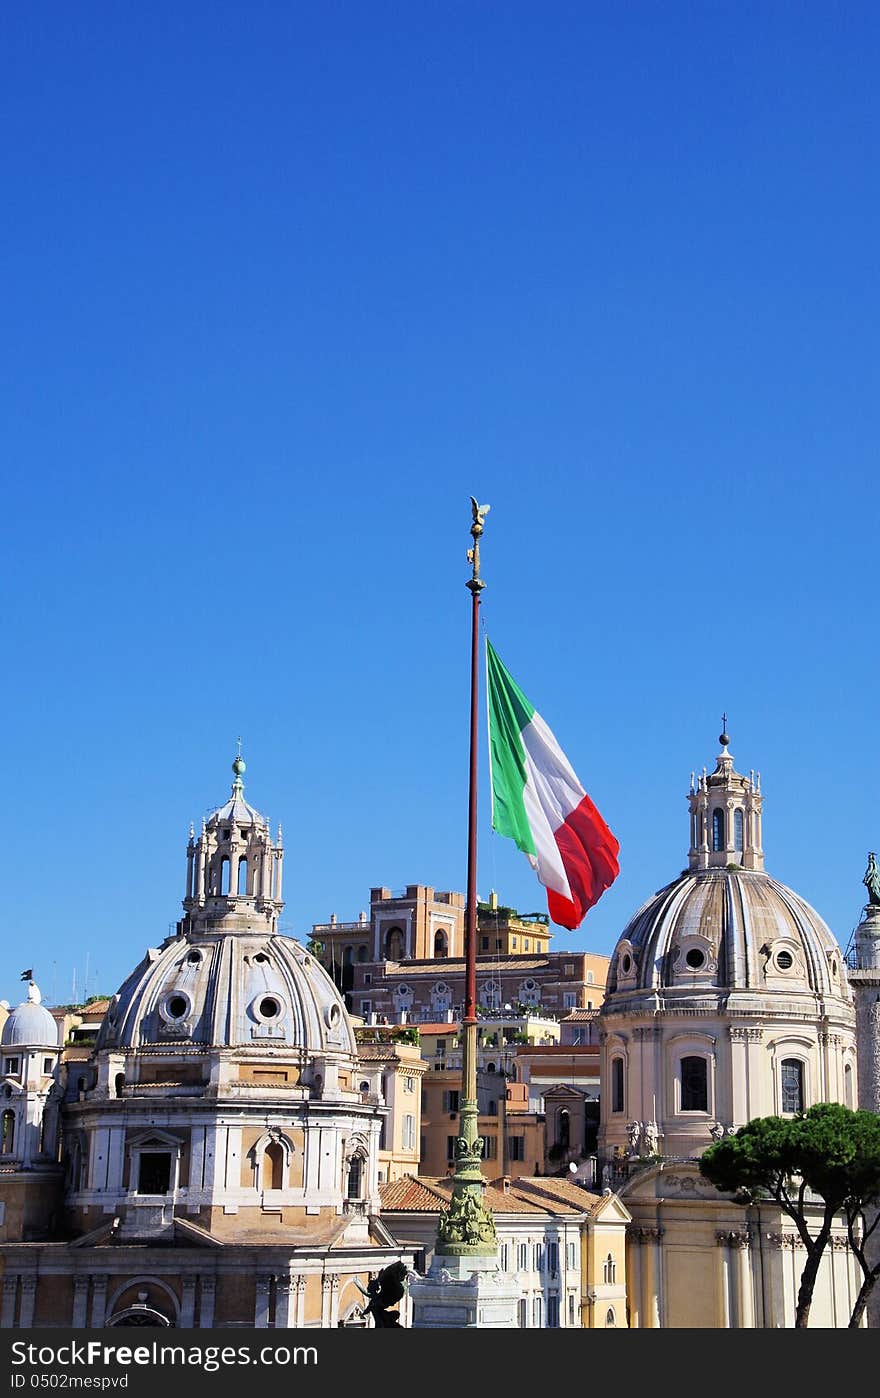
pixel 552 792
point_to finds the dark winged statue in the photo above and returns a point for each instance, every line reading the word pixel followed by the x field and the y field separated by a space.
pixel 384 1291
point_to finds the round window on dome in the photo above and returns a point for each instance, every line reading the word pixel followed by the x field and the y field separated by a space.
pixel 695 959
pixel 784 960
pixel 176 1006
pixel 270 1008
pixel 194 957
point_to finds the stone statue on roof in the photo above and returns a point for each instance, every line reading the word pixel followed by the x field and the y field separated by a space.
pixel 872 881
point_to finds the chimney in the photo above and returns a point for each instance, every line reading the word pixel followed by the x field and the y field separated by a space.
pixel 505 1184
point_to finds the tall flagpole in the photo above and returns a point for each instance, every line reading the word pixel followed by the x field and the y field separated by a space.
pixel 467 1228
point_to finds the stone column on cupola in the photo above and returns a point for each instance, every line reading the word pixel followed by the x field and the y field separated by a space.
pixel 698 854
pixel 753 854
pixel 190 864
pixel 279 862
pixel 265 886
pixel 201 858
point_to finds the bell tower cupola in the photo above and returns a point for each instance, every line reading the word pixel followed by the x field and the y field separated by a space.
pixel 233 868
pixel 725 809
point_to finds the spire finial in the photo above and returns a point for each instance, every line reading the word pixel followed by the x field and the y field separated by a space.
pixel 239 768
pixel 723 738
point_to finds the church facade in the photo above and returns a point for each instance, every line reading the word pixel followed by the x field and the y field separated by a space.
pixel 219 1162
pixel 727 1000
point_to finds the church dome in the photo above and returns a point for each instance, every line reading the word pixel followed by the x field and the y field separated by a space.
pixel 733 928
pixel 30 1024
pixel 725 924
pixel 239 991
pixel 229 979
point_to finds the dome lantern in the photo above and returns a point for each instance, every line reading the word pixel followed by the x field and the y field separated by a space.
pixel 233 874
pixel 725 810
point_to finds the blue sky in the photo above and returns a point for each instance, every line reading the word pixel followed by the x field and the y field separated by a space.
pixel 283 285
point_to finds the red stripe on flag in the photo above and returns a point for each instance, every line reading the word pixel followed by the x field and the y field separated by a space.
pixel 589 854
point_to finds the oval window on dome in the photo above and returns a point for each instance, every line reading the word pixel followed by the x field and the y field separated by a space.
pixel 784 960
pixel 626 964
pixel 332 1016
pixel 695 959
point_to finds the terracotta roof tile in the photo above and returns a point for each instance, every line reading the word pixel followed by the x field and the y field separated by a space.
pixel 421 1194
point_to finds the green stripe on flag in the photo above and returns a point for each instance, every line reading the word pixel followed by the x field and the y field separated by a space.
pixel 509 713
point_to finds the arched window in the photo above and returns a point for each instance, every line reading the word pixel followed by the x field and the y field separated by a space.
pixel 119 1084
pixel 393 944
pixel 738 831
pixel 609 1270
pixel 242 877
pixel 273 1166
pixel 7 1132
pixel 224 876
pixel 694 1084
pixel 347 956
pixel 848 1085
pixel 563 1129
pixel 362 953
pixel 617 1093
pixel 355 1176
pixel 610 1322
pixel 792 1084
pixel 440 944
pixel 717 828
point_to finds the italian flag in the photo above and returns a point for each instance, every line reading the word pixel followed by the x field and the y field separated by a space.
pixel 538 801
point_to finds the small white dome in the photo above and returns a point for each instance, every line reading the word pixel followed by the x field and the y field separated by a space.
pixel 30 1024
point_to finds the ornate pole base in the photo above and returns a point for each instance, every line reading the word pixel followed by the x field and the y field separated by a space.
pixel 467 1228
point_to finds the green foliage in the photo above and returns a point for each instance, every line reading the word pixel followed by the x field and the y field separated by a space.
pixel 833 1150
pixel 406 1034
pixel 829 1153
